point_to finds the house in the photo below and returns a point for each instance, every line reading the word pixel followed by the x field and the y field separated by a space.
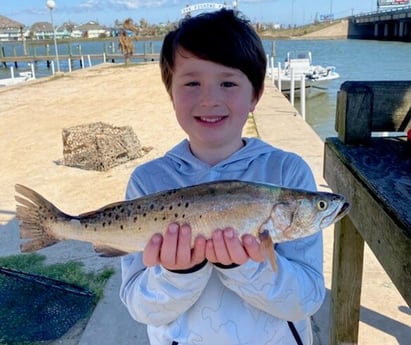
pixel 10 30
pixel 90 30
pixel 42 31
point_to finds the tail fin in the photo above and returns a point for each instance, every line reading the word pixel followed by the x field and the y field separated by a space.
pixel 36 215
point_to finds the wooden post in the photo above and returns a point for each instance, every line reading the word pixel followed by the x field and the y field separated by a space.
pixel 354 109
pixel 346 283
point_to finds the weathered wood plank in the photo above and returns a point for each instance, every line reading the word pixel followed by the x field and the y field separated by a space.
pixel 366 106
pixel 384 230
pixel 346 283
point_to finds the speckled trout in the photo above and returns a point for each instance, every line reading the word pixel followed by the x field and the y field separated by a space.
pixel 273 214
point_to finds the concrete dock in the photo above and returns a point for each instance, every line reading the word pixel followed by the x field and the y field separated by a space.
pixel 385 317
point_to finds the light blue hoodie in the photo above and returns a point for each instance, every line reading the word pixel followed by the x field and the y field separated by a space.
pixel 247 304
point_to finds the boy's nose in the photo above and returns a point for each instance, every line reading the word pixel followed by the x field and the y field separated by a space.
pixel 209 95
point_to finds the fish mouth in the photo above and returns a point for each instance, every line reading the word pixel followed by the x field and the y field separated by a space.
pixel 330 219
pixel 345 208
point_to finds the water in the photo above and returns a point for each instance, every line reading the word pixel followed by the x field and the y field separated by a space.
pixel 353 59
pixel 83 48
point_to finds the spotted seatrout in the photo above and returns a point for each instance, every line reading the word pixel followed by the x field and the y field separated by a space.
pixel 271 213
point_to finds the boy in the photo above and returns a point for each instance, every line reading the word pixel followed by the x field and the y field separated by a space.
pixel 221 291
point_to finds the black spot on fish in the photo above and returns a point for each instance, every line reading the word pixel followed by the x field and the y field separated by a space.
pixel 171 207
pixel 176 215
pixel 104 224
pixel 121 227
pixel 144 214
pixel 135 219
pixel 187 204
pixel 155 219
pixel 162 208
pixel 183 215
pixel 86 226
pixel 179 204
pixel 138 207
pixel 152 207
pixel 117 217
pixel 164 218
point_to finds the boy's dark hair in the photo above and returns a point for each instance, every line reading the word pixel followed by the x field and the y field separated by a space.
pixel 223 37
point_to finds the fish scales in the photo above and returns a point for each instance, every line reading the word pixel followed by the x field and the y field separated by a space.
pixel 126 226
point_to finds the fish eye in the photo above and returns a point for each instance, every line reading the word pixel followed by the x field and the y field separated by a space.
pixel 322 205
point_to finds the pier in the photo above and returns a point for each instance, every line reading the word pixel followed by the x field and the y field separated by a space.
pixel 16 60
pixel 33 116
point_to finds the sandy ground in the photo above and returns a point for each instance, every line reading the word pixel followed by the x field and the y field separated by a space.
pixel 33 116
pixel 337 30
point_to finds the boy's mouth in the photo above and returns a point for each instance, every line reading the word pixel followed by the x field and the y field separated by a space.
pixel 210 119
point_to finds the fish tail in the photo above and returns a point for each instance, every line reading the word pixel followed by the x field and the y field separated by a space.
pixel 268 246
pixel 36 216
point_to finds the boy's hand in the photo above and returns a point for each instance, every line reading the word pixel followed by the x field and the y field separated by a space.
pixel 226 248
pixel 173 250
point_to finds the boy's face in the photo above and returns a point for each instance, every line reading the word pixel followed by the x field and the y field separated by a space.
pixel 212 103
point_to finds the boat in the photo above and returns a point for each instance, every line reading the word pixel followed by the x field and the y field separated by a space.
pixel 300 64
pixel 23 77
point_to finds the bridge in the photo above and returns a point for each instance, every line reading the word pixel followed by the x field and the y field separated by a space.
pixel 392 24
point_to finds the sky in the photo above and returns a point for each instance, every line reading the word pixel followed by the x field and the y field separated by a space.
pixel 105 12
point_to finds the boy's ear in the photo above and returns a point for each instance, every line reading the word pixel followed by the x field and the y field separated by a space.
pixel 255 99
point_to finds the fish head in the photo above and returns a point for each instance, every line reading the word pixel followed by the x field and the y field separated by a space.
pixel 306 213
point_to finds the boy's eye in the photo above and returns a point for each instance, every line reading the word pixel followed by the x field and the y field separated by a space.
pixel 228 84
pixel 192 83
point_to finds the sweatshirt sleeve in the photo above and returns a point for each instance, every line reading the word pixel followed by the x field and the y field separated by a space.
pixel 292 293
pixel 156 296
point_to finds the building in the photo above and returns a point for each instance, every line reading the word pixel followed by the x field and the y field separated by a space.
pixel 90 30
pixel 10 30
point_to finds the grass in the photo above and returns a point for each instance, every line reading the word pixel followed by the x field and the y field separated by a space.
pixel 71 272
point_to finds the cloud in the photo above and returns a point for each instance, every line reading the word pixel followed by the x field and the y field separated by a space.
pixel 135 4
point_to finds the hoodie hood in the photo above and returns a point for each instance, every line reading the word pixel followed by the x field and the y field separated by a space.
pixel 187 164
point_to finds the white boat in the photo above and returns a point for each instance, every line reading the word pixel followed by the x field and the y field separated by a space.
pixel 300 64
pixel 23 77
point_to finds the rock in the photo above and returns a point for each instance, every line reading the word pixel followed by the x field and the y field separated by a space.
pixel 99 146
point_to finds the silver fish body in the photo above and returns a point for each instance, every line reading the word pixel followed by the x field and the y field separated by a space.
pixel 123 227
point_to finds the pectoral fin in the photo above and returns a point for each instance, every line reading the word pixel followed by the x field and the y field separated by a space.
pixel 107 251
pixel 268 245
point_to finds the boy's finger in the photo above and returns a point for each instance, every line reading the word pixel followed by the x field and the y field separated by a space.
pixel 235 247
pixel 183 256
pixel 220 248
pixel 151 253
pixel 253 248
pixel 199 251
pixel 210 252
pixel 168 253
